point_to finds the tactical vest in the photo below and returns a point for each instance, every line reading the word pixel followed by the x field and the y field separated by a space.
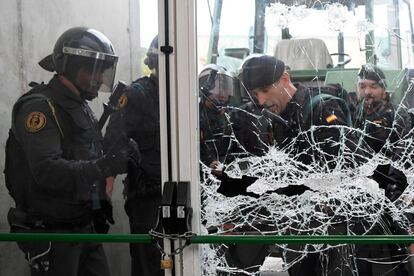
pixel 80 139
pixel 16 168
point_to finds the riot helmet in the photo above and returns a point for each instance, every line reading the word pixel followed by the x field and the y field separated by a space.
pixel 87 58
pixel 151 60
pixel 216 84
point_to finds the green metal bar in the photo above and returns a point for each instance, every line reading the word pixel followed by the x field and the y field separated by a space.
pixel 60 237
pixel 227 239
pixel 331 239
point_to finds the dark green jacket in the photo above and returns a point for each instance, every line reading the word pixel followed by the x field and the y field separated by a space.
pixel 61 141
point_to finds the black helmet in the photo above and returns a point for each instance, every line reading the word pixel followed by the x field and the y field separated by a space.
pixel 84 48
pixel 152 54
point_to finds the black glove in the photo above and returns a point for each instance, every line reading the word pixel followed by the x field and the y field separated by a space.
pixel 116 160
pixel 100 223
pixel 103 217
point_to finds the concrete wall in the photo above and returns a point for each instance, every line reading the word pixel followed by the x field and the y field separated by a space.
pixel 28 32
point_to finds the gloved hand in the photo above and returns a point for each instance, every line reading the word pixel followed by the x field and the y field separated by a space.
pixel 103 217
pixel 116 160
pixel 393 191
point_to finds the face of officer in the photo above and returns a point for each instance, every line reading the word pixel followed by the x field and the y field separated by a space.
pixel 89 83
pixel 276 96
pixel 216 101
pixel 370 93
pixel 216 87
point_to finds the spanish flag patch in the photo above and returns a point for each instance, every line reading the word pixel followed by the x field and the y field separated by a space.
pixel 331 118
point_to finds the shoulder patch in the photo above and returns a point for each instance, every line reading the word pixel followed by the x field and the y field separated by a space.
pixel 35 121
pixel 123 100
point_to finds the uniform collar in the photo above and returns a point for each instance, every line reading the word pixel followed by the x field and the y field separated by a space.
pixel 63 95
pixel 296 103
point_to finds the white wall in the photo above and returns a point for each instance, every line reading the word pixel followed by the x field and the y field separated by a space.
pixel 28 32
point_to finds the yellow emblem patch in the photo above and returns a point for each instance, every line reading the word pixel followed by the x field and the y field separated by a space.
pixel 35 121
pixel 123 100
pixel 331 118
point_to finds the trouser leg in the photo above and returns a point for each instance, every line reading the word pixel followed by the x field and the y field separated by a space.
pixel 94 261
pixel 145 258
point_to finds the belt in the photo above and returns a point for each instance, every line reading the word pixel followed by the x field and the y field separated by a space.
pixel 75 226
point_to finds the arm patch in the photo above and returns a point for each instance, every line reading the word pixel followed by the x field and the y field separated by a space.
pixel 35 122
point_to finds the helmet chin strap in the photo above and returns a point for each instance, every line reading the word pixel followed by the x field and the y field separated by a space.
pixel 87 95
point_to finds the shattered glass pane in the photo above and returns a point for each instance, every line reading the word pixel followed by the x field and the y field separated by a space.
pixel 355 180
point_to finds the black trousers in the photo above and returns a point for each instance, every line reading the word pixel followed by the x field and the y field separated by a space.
pixel 66 259
pixel 145 258
pixel 331 262
pixel 75 259
pixel 383 259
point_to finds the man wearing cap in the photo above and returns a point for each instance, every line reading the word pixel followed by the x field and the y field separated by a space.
pixel 300 109
pixel 290 109
pixel 376 115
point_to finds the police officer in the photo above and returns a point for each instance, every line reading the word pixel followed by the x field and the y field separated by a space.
pixel 265 77
pixel 376 115
pixel 139 118
pixel 64 167
pixel 288 110
pixel 290 114
pixel 216 89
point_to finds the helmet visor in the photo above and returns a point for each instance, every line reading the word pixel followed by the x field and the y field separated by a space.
pixel 222 86
pixel 108 77
pixel 99 68
pixel 97 76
